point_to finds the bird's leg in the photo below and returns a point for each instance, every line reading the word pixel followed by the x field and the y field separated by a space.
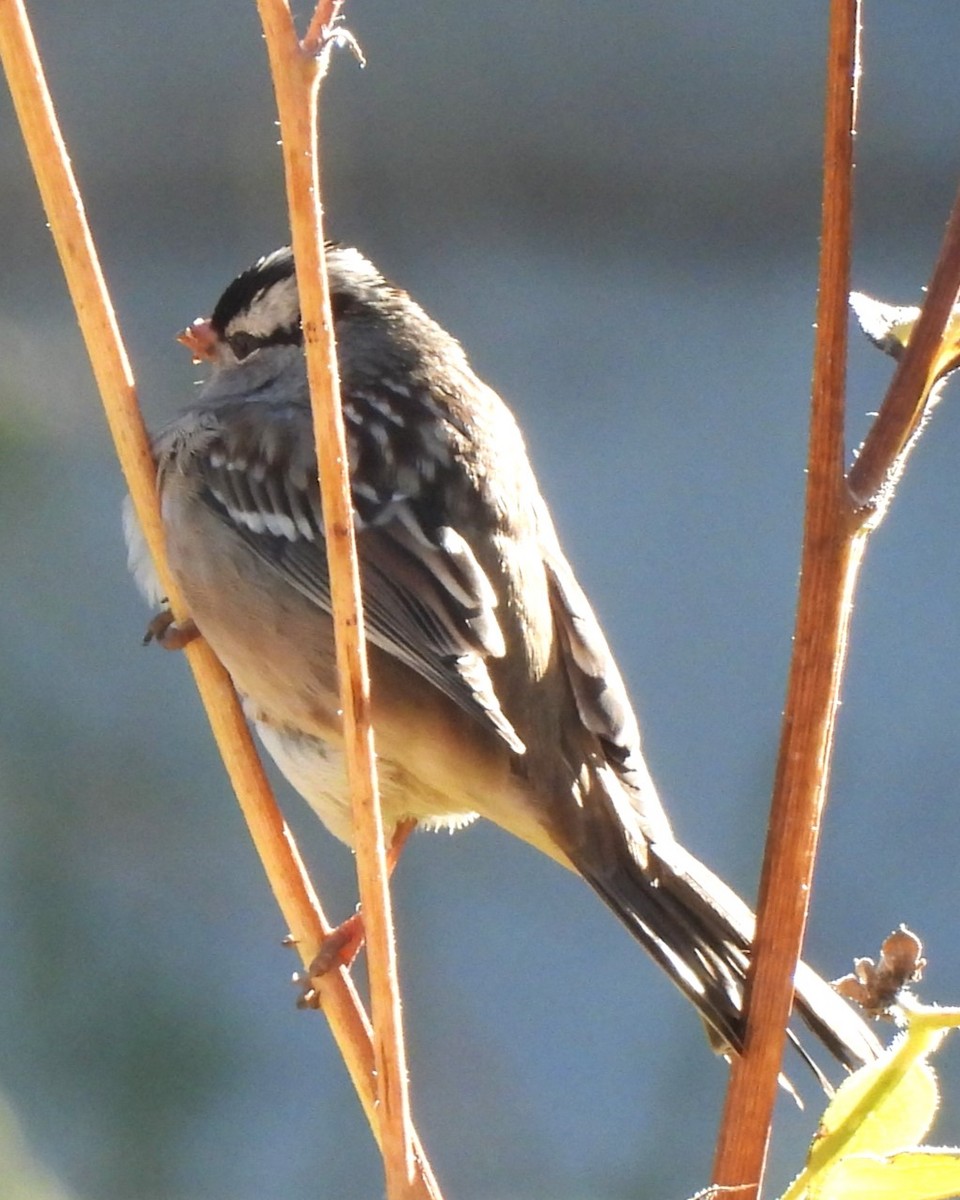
pixel 342 945
pixel 168 633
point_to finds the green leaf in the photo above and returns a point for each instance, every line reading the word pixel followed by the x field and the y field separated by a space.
pixel 900 1115
pixel 889 326
pixel 884 1108
pixel 886 325
pixel 927 1174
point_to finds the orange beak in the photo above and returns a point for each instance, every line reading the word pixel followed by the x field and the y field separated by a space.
pixel 200 339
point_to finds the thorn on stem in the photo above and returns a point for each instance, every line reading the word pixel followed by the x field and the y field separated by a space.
pixel 327 32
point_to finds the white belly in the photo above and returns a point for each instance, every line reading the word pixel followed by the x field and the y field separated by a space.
pixel 316 769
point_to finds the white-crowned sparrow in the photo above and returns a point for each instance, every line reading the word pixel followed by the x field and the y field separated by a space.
pixel 494 691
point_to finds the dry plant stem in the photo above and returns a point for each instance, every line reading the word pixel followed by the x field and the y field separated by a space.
pixel 296 77
pixel 64 209
pixel 841 512
pixel 881 458
pixel 829 567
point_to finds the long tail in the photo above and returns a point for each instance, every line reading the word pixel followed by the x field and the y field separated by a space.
pixel 700 932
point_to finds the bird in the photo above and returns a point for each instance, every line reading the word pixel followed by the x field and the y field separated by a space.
pixel 494 690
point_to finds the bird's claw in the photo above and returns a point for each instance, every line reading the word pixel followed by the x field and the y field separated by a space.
pixel 339 948
pixel 169 633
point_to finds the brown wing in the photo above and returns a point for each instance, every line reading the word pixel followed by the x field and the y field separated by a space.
pixel 427 601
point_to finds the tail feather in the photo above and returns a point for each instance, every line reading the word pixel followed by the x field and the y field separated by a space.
pixel 700 932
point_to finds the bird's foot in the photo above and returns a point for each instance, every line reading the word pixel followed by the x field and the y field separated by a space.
pixel 168 633
pixel 340 947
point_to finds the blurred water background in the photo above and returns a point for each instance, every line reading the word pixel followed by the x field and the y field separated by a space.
pixel 615 207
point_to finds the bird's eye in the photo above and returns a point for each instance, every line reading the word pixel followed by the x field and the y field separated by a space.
pixel 243 344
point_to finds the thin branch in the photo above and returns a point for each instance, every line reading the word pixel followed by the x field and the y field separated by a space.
pixel 828 572
pixel 882 455
pixel 296 79
pixel 111 367
pixel 840 514
pixel 64 208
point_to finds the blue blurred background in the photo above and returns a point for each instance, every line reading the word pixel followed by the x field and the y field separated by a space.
pixel 615 207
